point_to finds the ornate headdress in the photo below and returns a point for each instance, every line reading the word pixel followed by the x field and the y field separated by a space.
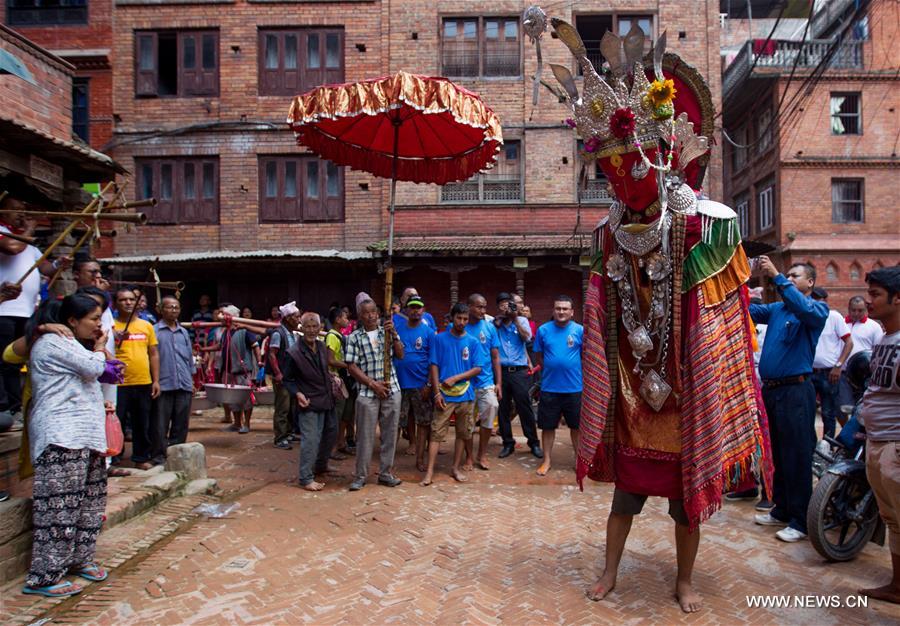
pixel 639 114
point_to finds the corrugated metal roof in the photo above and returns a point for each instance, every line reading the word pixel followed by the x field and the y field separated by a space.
pixel 212 255
pixel 518 243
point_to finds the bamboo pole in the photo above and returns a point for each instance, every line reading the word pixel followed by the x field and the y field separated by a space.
pixel 132 218
pixel 65 233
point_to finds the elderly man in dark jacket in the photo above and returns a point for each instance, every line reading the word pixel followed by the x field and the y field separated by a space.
pixel 307 378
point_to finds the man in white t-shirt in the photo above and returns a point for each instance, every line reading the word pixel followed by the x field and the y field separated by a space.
pixel 866 334
pixel 16 258
pixel 832 351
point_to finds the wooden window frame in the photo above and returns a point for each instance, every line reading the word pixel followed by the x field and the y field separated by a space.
pixel 283 82
pixel 762 225
pixel 58 15
pixel 482 184
pixel 858 115
pixel 760 130
pixel 481 43
pixel 80 82
pixel 180 209
pixel 839 216
pixel 299 209
pixel 594 55
pixel 198 81
pixel 742 208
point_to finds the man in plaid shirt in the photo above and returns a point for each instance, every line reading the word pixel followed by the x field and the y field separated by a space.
pixel 378 401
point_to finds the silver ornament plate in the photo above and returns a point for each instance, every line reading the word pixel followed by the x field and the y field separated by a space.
pixel 655 390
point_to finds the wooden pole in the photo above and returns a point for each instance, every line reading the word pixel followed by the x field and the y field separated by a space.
pixel 389 269
pixel 65 233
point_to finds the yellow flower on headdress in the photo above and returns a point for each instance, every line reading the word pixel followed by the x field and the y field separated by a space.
pixel 661 92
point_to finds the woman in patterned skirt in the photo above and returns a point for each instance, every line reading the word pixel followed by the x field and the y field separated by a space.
pixel 67 435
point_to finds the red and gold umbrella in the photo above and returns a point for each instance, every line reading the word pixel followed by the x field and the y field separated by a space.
pixel 404 127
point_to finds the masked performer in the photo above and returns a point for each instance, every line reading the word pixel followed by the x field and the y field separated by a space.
pixel 671 403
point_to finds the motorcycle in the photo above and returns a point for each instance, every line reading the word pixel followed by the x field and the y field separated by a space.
pixel 843 516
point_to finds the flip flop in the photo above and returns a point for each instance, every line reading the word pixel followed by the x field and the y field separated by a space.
pixel 92 572
pixel 54 591
pixel 482 466
pixel 459 477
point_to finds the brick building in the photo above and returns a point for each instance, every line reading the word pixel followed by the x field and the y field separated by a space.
pixel 200 92
pixel 79 32
pixel 816 174
pixel 40 163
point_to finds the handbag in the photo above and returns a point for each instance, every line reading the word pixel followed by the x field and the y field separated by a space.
pixel 338 388
pixel 115 440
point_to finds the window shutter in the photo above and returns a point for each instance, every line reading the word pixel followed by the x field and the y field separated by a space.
pixel 268 190
pixel 290 190
pixel 313 60
pixel 208 192
pixel 269 56
pixel 146 61
pixel 188 191
pixel 165 192
pixel 188 74
pixel 208 69
pixel 334 57
pixel 290 63
pixel 334 191
pixel 313 189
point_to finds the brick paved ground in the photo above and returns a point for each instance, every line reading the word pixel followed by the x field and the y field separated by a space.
pixel 507 547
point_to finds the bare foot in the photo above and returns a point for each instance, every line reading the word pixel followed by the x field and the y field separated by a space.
pixel 888 593
pixel 605 584
pixel 420 465
pixel 543 469
pixel 410 450
pixel 482 464
pixel 458 476
pixel 314 486
pixel 426 481
pixel 689 599
pixel 468 467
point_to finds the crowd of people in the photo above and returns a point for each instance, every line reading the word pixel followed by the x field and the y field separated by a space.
pixel 342 379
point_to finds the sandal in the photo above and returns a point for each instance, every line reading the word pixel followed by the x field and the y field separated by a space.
pixel 92 572
pixel 62 590
pixel 117 472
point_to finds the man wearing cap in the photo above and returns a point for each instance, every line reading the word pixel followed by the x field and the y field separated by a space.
pixel 515 333
pixel 785 366
pixel 401 316
pixel 412 374
pixel 281 340
pixel 832 351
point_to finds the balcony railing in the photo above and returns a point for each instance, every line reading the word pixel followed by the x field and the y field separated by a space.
pixel 487 189
pixel 456 62
pixel 595 191
pixel 785 55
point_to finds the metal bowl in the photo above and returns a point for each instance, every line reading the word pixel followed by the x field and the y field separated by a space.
pixel 227 394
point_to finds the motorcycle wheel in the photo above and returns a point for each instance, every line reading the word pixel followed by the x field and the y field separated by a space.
pixel 832 533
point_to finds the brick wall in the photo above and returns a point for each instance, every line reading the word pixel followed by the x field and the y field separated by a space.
pixel 386 30
pixel 238 148
pixel 46 105
pixel 78 38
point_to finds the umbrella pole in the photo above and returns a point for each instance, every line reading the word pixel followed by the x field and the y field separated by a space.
pixel 389 268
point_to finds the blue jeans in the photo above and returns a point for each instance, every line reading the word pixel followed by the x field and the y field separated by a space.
pixel 828 395
pixel 792 416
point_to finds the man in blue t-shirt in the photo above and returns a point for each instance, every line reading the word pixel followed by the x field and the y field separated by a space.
pixel 488 382
pixel 557 348
pixel 412 374
pixel 401 317
pixel 454 362
pixel 515 333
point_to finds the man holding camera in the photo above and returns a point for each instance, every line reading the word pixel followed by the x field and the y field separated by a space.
pixel 515 333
